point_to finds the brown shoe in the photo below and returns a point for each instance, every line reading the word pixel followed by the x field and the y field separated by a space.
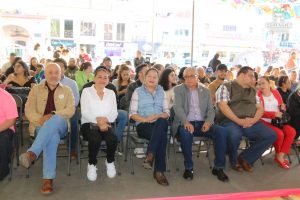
pixel 244 164
pixel 237 167
pixel 73 155
pixel 160 178
pixel 27 158
pixel 148 162
pixel 47 187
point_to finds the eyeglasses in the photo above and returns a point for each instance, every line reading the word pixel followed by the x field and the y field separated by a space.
pixel 191 76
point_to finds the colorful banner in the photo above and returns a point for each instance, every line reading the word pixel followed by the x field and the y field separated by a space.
pixel 287 8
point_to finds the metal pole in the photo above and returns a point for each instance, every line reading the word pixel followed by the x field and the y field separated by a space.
pixel 193 21
pixel 152 36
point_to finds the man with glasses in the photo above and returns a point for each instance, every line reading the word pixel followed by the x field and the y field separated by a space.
pixel 194 116
pixel 220 77
pixel 239 110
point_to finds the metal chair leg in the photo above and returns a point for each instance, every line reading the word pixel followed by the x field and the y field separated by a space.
pixel 127 140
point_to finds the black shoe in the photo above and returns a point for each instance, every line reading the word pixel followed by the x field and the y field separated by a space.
pixel 188 174
pixel 220 174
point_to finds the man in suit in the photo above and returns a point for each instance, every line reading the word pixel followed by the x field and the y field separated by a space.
pixel 194 116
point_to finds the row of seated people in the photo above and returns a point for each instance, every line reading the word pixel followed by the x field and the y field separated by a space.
pixel 51 104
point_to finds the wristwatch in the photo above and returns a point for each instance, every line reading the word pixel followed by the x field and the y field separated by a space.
pixel 53 113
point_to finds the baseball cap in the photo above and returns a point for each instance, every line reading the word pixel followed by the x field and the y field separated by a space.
pixel 209 70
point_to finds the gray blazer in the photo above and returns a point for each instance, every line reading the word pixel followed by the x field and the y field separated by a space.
pixel 181 105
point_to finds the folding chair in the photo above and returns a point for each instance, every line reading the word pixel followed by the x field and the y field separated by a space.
pixel 202 140
pixel 64 145
pixel 20 121
pixel 83 147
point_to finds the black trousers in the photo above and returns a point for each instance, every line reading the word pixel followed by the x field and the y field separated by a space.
pixel 6 138
pixel 94 136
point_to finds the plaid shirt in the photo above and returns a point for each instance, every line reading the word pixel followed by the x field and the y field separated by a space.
pixel 222 94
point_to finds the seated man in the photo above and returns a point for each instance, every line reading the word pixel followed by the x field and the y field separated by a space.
pixel 194 116
pixel 49 106
pixel 8 115
pixel 239 111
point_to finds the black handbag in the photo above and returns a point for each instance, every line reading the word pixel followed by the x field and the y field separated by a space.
pixel 279 122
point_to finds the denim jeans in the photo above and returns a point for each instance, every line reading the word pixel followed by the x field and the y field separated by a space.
pixel 46 141
pixel 217 133
pixel 74 131
pixel 261 138
pixel 156 133
pixel 121 123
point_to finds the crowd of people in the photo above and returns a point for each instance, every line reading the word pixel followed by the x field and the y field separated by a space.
pixel 224 105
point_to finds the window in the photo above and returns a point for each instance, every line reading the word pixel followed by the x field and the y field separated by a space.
pixel 230 28
pixel 87 28
pixel 68 29
pixel 205 53
pixel 55 28
pixel 108 32
pixel 121 31
pixel 222 54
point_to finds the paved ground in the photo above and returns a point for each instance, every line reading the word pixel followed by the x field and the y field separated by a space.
pixel 142 185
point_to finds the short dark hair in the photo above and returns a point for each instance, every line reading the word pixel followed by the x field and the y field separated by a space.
pixel 106 59
pixel 158 66
pixel 101 68
pixel 282 80
pixel 60 60
pixel 244 70
pixel 12 54
pixel 139 68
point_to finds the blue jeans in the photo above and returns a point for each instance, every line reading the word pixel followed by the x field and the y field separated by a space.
pixel 121 123
pixel 156 133
pixel 74 131
pixel 47 140
pixel 261 136
pixel 217 133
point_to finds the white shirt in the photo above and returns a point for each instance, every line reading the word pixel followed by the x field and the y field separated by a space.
pixel 271 105
pixel 92 106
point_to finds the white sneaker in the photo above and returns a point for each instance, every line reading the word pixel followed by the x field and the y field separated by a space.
pixel 92 172
pixel 110 169
pixel 139 152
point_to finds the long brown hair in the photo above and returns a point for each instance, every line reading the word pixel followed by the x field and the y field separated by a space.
pixel 122 68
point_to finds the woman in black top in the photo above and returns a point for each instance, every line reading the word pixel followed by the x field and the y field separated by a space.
pixel 284 87
pixel 20 77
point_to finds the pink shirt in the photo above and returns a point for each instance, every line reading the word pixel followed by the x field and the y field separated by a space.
pixel 8 107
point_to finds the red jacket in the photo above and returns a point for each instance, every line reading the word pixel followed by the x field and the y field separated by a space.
pixel 269 114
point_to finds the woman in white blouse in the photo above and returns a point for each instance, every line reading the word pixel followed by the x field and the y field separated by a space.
pixel 99 110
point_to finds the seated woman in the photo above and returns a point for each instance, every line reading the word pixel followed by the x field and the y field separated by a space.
pixel 33 66
pixel 273 106
pixel 284 87
pixel 148 107
pixel 84 75
pixel 294 110
pixel 123 80
pixel 99 110
pixel 20 77
pixel 168 81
